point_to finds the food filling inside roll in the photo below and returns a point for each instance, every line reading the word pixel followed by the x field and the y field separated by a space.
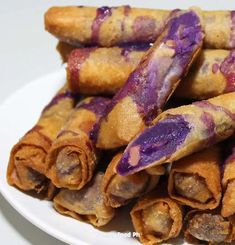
pixel 157 219
pixel 192 186
pixel 68 165
pixel 153 144
pixel 124 188
pixel 84 201
pixel 29 178
pixel 209 227
pixel 86 204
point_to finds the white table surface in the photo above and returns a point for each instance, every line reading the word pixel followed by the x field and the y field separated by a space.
pixel 28 52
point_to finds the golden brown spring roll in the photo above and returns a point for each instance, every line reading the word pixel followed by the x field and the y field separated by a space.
pixel 72 158
pixel 208 226
pixel 86 204
pixel 157 218
pixel 228 183
pixel 27 168
pixel 151 84
pixel 119 190
pixel 105 70
pixel 213 74
pixel 195 180
pixel 111 26
pixel 104 26
pixel 179 132
pixel 101 70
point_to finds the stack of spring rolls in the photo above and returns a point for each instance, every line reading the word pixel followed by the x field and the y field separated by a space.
pixel 106 139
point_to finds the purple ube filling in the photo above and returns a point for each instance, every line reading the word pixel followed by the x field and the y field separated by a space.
pixel 156 142
pixel 96 105
pixel 152 82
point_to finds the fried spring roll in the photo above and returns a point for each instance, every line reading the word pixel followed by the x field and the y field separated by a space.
pixel 151 84
pixel 179 132
pixel 105 70
pixel 101 70
pixel 119 190
pixel 72 158
pixel 208 226
pixel 86 204
pixel 228 183
pixel 107 26
pixel 213 74
pixel 27 168
pixel 195 180
pixel 156 218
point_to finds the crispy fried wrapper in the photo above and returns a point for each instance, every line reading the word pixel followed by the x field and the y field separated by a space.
pixel 179 132
pixel 112 26
pixel 102 70
pixel 208 226
pixel 157 218
pixel 195 180
pixel 151 84
pixel 119 190
pixel 27 168
pixel 213 74
pixel 86 204
pixel 228 183
pixel 72 158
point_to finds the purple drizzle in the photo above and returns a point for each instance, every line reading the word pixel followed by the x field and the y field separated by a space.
pixel 127 10
pixel 227 68
pixel 127 49
pixel 96 105
pixel 101 15
pixel 160 140
pixel 145 28
pixel 151 83
pixel 60 97
pixel 210 106
pixel 136 46
pixel 208 121
pixel 232 38
pixel 75 61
